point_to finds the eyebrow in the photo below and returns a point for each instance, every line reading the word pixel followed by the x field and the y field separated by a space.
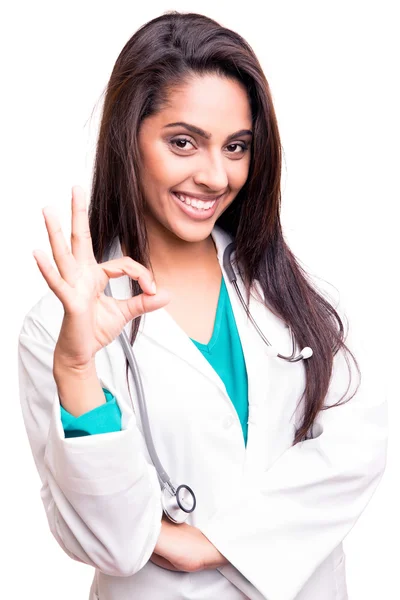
pixel 205 134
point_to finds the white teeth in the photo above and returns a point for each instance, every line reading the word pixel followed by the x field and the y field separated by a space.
pixel 200 204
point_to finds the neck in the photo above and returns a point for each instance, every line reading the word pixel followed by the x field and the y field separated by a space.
pixel 170 255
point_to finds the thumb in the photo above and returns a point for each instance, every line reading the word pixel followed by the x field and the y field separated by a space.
pixel 143 303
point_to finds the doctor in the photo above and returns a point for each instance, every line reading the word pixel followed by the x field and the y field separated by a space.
pixel 282 456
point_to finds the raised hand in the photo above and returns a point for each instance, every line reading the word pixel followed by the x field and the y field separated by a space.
pixel 91 319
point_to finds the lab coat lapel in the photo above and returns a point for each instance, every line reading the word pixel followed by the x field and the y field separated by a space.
pixel 165 332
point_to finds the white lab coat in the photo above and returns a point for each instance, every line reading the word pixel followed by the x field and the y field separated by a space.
pixel 278 513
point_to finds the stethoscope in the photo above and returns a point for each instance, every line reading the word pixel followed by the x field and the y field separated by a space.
pixel 178 502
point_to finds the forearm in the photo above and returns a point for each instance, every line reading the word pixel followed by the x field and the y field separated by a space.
pixel 79 390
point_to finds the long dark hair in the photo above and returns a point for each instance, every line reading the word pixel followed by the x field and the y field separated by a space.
pixel 161 54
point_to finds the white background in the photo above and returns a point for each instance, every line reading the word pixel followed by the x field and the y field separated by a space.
pixel 334 79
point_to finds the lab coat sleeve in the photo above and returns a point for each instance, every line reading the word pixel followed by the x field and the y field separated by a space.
pixel 284 522
pixel 101 496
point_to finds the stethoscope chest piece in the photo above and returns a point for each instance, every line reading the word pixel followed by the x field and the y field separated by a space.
pixel 179 503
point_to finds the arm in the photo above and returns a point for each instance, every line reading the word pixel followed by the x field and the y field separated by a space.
pixel 101 497
pixel 282 524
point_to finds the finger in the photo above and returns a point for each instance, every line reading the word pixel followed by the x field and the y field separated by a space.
pixel 138 305
pixel 61 252
pixel 81 240
pixel 52 277
pixel 128 266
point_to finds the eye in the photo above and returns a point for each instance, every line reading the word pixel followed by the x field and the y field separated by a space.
pixel 180 143
pixel 243 147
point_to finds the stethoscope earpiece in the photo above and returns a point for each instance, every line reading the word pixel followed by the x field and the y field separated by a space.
pixel 306 352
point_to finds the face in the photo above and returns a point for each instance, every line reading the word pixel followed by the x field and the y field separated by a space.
pixel 196 156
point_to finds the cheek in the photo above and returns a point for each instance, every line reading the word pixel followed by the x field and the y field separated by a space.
pixel 164 169
pixel 238 173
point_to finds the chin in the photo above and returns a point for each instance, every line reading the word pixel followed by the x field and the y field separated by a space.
pixel 196 232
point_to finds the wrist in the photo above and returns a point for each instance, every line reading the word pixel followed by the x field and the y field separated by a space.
pixel 79 388
pixel 62 368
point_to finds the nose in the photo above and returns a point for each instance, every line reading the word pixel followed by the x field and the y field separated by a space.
pixel 212 173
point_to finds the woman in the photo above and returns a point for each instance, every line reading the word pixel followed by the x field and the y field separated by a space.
pixel 282 456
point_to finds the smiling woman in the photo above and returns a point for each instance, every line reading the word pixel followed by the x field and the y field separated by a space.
pixel 204 171
pixel 279 453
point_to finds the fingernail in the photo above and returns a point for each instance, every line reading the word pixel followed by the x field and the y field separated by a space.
pixel 153 287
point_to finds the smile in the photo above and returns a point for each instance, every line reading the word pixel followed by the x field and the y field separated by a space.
pixel 195 202
pixel 196 209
